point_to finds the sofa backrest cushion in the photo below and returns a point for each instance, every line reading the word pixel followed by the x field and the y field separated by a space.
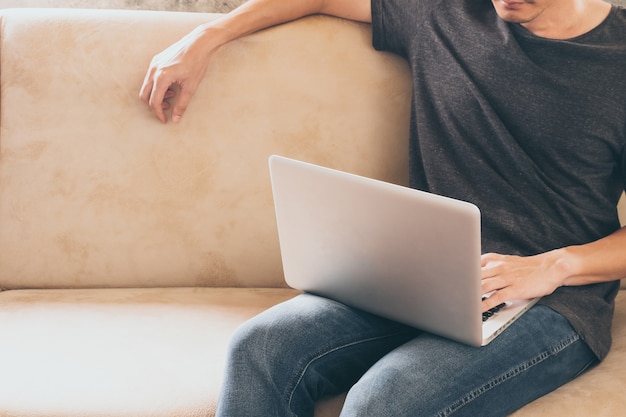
pixel 96 192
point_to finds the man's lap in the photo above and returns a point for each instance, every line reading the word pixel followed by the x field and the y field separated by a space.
pixel 326 347
pixel 430 375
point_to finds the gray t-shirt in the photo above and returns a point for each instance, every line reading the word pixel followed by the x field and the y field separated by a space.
pixel 531 130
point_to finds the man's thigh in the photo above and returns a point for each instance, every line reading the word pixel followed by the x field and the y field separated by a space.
pixel 306 348
pixel 432 376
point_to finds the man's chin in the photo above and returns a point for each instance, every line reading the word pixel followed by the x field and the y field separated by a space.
pixel 514 11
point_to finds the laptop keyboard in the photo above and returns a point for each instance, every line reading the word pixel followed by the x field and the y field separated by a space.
pixel 492 311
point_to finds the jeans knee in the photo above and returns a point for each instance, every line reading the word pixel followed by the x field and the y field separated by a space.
pixel 257 371
pixel 252 341
pixel 379 394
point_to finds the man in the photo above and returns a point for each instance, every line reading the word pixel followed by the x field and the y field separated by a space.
pixel 518 107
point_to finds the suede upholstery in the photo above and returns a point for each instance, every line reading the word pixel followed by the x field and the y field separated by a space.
pixel 131 250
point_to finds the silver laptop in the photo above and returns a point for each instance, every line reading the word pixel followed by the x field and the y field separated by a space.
pixel 400 253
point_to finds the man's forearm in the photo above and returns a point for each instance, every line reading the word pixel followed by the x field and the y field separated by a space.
pixel 599 261
pixel 256 15
pixel 184 63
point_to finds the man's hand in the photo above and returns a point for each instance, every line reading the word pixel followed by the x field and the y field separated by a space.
pixel 176 73
pixel 516 277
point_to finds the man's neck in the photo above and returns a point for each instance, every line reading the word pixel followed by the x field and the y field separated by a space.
pixel 568 19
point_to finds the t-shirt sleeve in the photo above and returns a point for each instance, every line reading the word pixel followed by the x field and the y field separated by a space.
pixel 624 166
pixel 396 22
pixel 379 40
pixel 387 32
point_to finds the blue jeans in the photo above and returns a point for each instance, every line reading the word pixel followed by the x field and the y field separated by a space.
pixel 285 359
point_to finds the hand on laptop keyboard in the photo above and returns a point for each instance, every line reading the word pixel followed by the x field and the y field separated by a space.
pixel 490 313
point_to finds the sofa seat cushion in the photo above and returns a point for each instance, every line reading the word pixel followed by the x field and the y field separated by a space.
pixel 119 352
pixel 160 352
pixel 598 393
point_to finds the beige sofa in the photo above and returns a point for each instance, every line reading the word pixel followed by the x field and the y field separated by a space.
pixel 130 250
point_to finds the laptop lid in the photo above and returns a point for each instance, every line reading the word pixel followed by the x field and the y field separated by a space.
pixel 404 254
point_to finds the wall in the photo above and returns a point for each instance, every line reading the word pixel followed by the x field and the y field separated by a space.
pixel 177 5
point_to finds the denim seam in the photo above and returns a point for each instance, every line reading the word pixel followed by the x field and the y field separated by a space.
pixel 323 352
pixel 474 394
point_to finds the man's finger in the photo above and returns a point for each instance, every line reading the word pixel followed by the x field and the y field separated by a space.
pixel 180 106
pixel 146 87
pixel 156 98
pixel 495 299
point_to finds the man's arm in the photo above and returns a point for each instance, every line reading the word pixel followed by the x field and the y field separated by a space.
pixel 515 277
pixel 184 63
